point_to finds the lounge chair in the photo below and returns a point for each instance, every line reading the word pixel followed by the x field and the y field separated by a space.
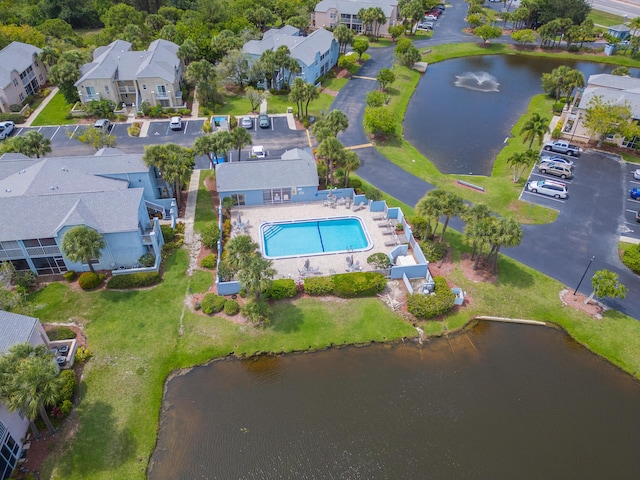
pixel 391 243
pixel 380 216
pixel 388 232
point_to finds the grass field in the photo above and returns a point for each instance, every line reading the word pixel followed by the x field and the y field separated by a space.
pixel 55 113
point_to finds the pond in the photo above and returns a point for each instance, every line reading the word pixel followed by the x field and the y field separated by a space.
pixel 502 401
pixel 463 110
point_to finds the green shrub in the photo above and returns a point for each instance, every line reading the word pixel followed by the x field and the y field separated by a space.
pixel 231 307
pixel 70 275
pixel 375 99
pixel 82 355
pixel 60 333
pixel 631 258
pixel 358 284
pixel 346 61
pixel 355 183
pixel 210 234
pixel 318 285
pixel 134 130
pixel 11 117
pixel 134 280
pixel 281 288
pixel 68 384
pixel 379 260
pixel 66 408
pixel 434 251
pixel 429 306
pixel 25 279
pixel 89 281
pixel 233 122
pixel 147 260
pixel 558 107
pixel 419 226
pixel 168 233
pixel 212 303
pixel 209 261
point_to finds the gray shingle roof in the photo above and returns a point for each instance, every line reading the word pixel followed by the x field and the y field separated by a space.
pixel 613 89
pixel 303 49
pixel 297 168
pixel 15 56
pixel 352 7
pixel 617 82
pixel 44 215
pixel 50 176
pixel 15 329
pixel 119 62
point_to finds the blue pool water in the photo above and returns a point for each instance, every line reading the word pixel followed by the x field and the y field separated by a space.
pixel 314 237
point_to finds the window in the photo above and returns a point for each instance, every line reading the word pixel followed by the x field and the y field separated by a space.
pixel 90 91
pixel 41 78
pixel 144 87
pixel 21 97
pixel 238 198
pixel 162 90
pixel 8 454
pixel 15 82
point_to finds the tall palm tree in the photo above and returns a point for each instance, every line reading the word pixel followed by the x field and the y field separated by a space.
pixel 81 244
pixel 520 161
pixel 337 122
pixel 429 207
pixel 535 127
pixel 350 163
pixel 452 205
pixel 332 151
pixel 239 251
pixel 175 164
pixel 472 217
pixel 212 145
pixel 508 233
pixel 240 138
pixel 482 232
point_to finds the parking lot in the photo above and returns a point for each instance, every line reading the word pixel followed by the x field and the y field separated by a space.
pixel 631 206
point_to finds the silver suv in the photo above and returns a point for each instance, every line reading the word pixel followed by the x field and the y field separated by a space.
pixel 548 187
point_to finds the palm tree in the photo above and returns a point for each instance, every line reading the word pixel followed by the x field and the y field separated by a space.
pixel 297 92
pixel 174 163
pixel 310 93
pixel 49 56
pixel 336 122
pixel 188 51
pixel 213 145
pixel 30 382
pixel 350 163
pixel 240 138
pixel 31 144
pixel 332 150
pixel 472 217
pixel 508 233
pixel 429 207
pixel 535 127
pixel 239 250
pixel 481 232
pixel 452 205
pixel 520 161
pixel 81 244
pixel 256 275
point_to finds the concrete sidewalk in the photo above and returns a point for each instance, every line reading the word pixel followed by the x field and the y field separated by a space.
pixel 37 111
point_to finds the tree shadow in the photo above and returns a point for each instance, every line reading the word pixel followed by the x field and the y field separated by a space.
pixel 99 445
pixel 513 274
pixel 287 318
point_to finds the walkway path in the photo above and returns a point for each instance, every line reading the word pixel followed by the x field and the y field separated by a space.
pixel 191 239
pixel 37 111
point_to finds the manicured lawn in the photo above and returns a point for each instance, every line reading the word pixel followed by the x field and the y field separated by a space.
pixel 598 17
pixel 335 84
pixel 279 104
pixel 205 209
pixel 55 113
pixel 234 105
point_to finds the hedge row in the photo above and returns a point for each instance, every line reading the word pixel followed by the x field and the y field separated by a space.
pixel 346 285
pixel 212 303
pixel 631 258
pixel 134 280
pixel 281 288
pixel 429 306
pixel 11 117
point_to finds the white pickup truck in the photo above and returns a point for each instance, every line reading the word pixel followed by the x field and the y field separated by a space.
pixel 561 146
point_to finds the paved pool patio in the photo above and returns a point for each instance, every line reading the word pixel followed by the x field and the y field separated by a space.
pixel 328 263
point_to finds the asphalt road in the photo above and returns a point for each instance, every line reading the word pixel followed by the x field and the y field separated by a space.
pixel 630 8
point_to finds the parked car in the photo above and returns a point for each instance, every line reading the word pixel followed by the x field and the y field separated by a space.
pixel 638 216
pixel 6 128
pixel 263 121
pixel 257 151
pixel 175 123
pixel 556 159
pixel 558 169
pixel 430 18
pixel 548 187
pixel 102 124
pixel 426 25
pixel 636 174
pixel 246 122
pixel 635 193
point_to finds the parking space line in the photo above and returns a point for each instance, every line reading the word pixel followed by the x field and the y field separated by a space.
pixel 186 125
pixel 553 177
pixel 547 197
pixel 54 133
pixel 633 181
pixel 634 200
pixel 19 131
pixel 631 211
pixel 40 128
pixel 74 131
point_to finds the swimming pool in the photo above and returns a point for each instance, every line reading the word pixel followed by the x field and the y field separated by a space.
pixel 314 237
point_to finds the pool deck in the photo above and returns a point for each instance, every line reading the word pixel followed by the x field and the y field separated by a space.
pixel 328 263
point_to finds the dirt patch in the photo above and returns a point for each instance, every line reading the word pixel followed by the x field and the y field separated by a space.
pixel 576 301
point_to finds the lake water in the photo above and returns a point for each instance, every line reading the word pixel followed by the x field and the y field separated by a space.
pixel 461 130
pixel 499 402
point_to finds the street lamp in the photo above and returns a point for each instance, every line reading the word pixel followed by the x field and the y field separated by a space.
pixel 584 274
